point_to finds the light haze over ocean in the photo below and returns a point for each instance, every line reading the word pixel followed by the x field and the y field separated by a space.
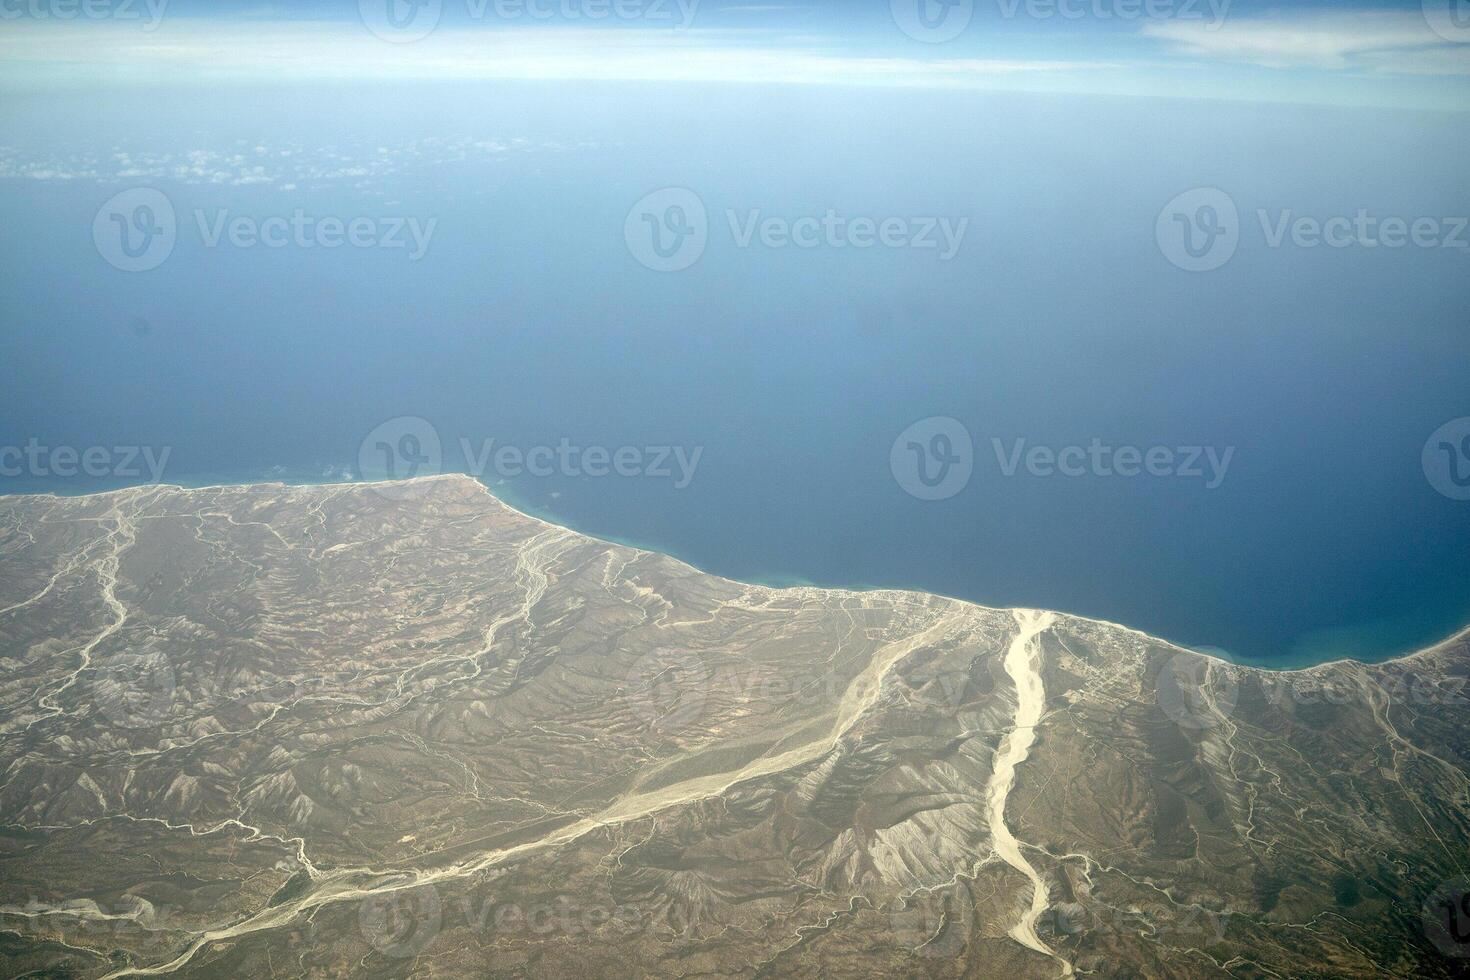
pixel 1059 321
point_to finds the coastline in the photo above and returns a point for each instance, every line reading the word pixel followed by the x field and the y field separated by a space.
pixel 774 582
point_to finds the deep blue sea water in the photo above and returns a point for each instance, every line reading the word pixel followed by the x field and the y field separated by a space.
pixel 1059 322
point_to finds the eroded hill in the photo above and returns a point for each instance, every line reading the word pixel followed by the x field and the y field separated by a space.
pixel 402 729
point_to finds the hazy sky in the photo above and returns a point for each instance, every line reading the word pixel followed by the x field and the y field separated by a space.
pixel 1406 54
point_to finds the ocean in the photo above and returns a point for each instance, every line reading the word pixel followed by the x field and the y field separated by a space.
pixel 1047 407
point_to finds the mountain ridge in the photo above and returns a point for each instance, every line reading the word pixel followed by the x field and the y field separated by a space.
pixel 358 727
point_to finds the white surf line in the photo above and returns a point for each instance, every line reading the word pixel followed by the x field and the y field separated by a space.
pixel 1023 664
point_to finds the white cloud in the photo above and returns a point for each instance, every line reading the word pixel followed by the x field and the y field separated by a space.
pixel 1380 41
pixel 1350 53
pixel 183 49
pixel 297 166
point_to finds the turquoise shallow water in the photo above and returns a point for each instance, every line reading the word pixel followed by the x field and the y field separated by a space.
pixel 1369 644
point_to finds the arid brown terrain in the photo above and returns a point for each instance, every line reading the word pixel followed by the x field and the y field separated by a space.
pixel 401 729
